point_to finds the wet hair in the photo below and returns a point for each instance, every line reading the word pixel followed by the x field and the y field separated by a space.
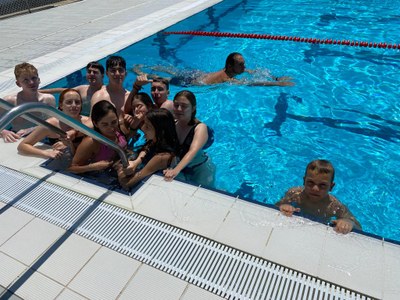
pixel 165 132
pixel 24 68
pixel 62 95
pixel 164 81
pixel 96 65
pixel 100 110
pixel 321 166
pixel 230 60
pixel 192 99
pixel 145 98
pixel 114 61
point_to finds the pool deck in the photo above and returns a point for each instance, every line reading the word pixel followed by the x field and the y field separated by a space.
pixel 61 40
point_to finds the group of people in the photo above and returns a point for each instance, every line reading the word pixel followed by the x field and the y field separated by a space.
pixel 174 139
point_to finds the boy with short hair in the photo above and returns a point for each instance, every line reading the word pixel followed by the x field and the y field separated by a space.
pixel 27 78
pixel 314 198
pixel 94 77
pixel 114 92
pixel 159 92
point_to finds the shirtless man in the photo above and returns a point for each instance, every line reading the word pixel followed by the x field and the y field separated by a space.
pixel 234 66
pixel 114 91
pixel 159 92
pixel 28 80
pixel 94 76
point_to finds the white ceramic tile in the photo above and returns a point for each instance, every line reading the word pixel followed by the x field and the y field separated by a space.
pixel 203 216
pixel 206 194
pixel 11 221
pixel 105 275
pixel 67 294
pixel 39 287
pixel 31 241
pixel 195 293
pixel 163 204
pixel 10 157
pixel 247 227
pixel 90 190
pixel 69 259
pixel 150 283
pixel 120 200
pixel 63 180
pixel 10 269
pixel 350 260
pixel 296 243
pixel 391 271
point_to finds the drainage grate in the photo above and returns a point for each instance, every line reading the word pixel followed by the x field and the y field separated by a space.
pixel 218 268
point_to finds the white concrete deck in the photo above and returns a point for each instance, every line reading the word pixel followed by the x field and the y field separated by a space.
pixel 61 40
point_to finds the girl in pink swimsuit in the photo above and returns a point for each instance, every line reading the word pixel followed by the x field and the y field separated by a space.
pixel 91 155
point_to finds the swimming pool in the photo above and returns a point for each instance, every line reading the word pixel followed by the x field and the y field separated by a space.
pixel 343 108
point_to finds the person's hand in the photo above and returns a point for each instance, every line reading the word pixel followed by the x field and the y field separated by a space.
pixel 343 226
pixel 128 119
pixel 288 209
pixel 102 165
pixel 54 153
pixel 25 132
pixel 141 80
pixel 60 145
pixel 10 136
pixel 170 174
pixel 123 181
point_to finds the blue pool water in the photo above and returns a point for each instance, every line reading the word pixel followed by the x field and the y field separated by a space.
pixel 344 106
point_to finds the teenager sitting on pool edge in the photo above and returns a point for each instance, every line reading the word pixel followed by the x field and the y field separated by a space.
pixel 234 66
pixel 157 154
pixel 194 164
pixel 314 199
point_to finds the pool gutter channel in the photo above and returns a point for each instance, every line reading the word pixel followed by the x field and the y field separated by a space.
pixel 213 266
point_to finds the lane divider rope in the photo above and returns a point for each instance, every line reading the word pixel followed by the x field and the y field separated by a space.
pixel 289 38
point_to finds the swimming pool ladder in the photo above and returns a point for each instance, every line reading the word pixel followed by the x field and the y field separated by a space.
pixel 23 110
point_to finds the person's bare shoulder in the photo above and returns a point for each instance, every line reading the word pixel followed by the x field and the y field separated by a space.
pixel 101 94
pixel 82 88
pixel 213 78
pixel 48 99
pixel 12 99
pixel 169 105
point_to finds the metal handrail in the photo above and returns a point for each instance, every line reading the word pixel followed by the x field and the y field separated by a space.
pixel 51 111
pixel 32 118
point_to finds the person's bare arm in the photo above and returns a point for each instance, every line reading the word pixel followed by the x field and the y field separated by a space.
pixel 271 83
pixel 85 151
pixel 199 140
pixel 158 162
pixel 27 145
pixel 140 81
pixel 52 90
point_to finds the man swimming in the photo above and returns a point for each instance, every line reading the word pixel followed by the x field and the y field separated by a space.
pixel 234 66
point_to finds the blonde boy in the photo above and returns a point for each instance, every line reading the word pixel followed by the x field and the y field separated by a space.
pixel 28 80
pixel 314 198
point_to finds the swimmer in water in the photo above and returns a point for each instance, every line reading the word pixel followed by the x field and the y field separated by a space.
pixel 234 66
